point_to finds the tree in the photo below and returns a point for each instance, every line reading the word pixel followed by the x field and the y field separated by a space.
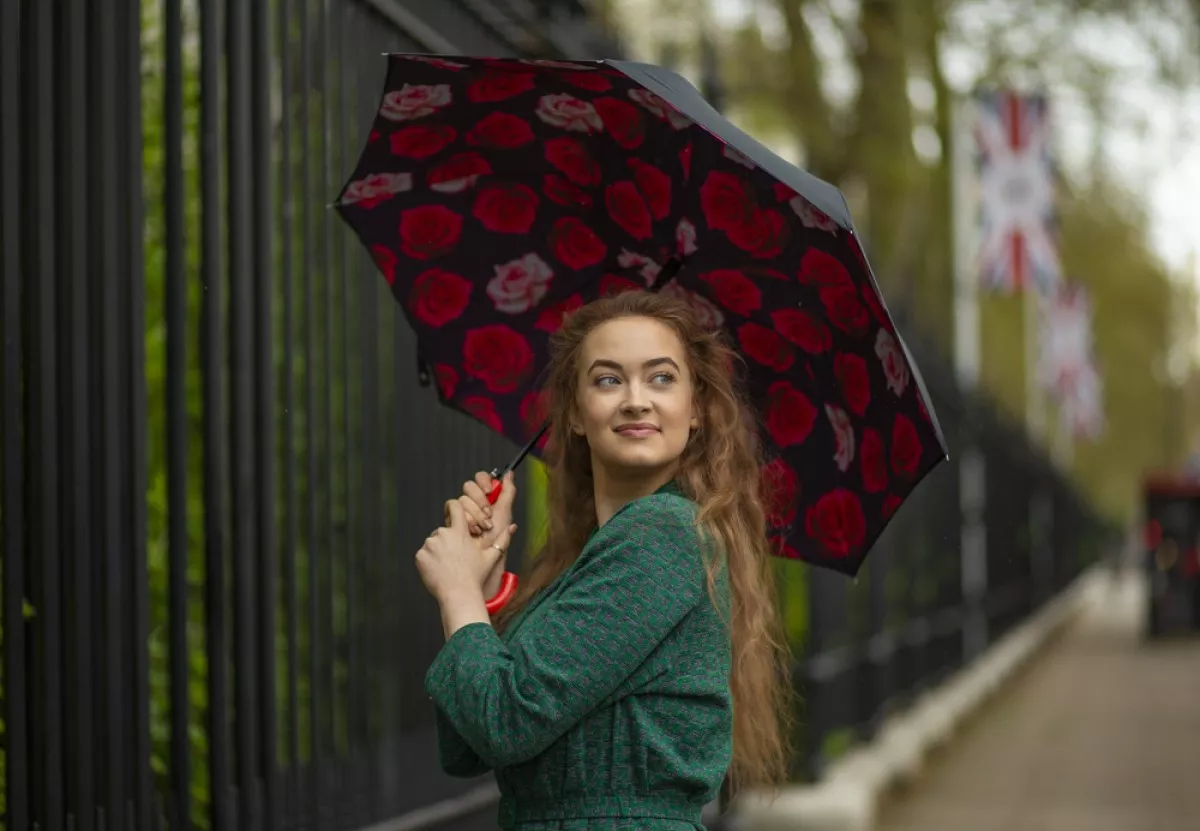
pixel 842 107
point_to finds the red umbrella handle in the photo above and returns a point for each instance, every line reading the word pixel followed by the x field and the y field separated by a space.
pixel 508 581
pixel 508 587
pixel 497 486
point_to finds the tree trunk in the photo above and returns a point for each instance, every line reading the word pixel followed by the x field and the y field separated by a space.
pixel 881 145
pixel 810 114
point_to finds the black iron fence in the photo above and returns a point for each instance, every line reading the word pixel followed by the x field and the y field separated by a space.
pixel 984 542
pixel 217 454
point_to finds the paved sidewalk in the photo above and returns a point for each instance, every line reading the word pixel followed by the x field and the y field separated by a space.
pixel 1101 733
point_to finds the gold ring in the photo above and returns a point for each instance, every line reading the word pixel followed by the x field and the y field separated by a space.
pixel 498 548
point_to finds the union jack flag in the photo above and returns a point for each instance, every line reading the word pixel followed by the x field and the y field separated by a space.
pixel 1066 338
pixel 1082 406
pixel 1018 241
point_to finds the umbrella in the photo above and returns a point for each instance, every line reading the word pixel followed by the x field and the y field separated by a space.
pixel 495 195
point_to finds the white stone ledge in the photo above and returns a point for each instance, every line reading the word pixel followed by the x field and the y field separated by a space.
pixel 848 796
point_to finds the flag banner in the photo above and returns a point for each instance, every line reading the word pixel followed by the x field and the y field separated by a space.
pixel 1065 338
pixel 1018 246
pixel 1082 407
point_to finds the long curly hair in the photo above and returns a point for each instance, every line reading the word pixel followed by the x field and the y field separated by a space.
pixel 722 456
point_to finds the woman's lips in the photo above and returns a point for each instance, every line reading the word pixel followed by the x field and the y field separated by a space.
pixel 639 432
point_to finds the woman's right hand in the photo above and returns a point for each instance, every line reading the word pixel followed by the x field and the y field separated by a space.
pixel 486 522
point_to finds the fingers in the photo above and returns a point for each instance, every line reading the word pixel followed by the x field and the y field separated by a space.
pixel 479 488
pixel 508 493
pixel 455 515
pixel 476 520
pixel 477 494
pixel 499 549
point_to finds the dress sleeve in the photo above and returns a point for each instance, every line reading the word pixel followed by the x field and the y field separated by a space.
pixel 638 580
pixel 454 754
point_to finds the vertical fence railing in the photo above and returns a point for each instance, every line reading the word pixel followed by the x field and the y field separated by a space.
pixel 874 644
pixel 217 454
pixel 13 572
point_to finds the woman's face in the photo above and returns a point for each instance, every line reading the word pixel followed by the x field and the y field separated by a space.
pixel 634 396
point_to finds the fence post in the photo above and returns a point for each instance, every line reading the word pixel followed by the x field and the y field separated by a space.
pixel 972 497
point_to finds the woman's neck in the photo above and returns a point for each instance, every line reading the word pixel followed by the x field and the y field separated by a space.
pixel 613 491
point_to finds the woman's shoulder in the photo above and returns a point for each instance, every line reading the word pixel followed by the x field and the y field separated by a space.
pixel 661 513
pixel 658 529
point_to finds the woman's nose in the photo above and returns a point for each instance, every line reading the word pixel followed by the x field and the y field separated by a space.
pixel 636 399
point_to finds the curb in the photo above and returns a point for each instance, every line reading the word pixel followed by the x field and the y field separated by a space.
pixel 847 798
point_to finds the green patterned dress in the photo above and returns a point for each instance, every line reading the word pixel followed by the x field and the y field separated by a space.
pixel 606 704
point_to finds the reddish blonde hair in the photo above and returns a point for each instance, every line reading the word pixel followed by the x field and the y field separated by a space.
pixel 721 457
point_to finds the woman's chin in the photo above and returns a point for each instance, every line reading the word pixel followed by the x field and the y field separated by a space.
pixel 639 459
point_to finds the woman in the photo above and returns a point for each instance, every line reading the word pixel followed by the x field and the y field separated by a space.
pixel 606 696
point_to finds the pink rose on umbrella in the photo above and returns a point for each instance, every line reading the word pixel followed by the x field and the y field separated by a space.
pixel 520 285
pixel 370 191
pixel 415 101
pixel 843 433
pixel 570 113
pixel 895 368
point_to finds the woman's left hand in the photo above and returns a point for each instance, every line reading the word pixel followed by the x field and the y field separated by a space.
pixel 451 562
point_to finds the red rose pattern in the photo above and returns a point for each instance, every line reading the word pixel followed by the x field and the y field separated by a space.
pixel 803 329
pixel 790 416
pixel 561 192
pixel 628 209
pixel 439 297
pixel 734 290
pixel 837 523
pixel 458 173
pixel 506 208
pixel 762 235
pixel 655 187
pixel 855 380
pixel 906 447
pixel 890 505
pixel 498 196
pixel 386 260
pixel 575 245
pixel 623 121
pixel 845 310
pixel 499 86
pixel 446 377
pixel 500 131
pixel 484 409
pixel 422 140
pixel 429 231
pixel 551 319
pixel 766 347
pixel 498 355
pixel 726 201
pixel 612 284
pixel 573 160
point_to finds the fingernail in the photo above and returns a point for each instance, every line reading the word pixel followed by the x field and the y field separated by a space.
pixel 487 511
pixel 488 525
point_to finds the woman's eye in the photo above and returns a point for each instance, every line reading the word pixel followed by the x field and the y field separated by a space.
pixel 663 378
pixel 603 380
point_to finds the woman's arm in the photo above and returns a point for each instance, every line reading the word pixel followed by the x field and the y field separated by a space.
pixel 644 574
pixel 454 754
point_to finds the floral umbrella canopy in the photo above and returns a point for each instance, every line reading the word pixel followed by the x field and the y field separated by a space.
pixel 496 195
